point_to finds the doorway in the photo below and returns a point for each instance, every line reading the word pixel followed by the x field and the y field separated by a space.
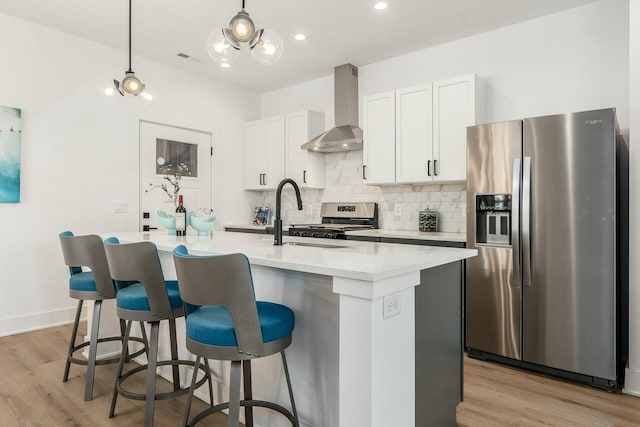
pixel 165 153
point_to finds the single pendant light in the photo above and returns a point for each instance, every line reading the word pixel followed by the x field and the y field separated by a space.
pixel 130 83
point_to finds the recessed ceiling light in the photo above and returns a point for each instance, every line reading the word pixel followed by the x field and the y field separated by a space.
pixel 300 37
pixel 381 5
pixel 225 65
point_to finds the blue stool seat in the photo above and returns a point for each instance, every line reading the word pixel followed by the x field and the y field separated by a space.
pixel 83 281
pixel 134 297
pixel 213 324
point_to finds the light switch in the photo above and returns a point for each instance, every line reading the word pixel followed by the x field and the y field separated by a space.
pixel 120 206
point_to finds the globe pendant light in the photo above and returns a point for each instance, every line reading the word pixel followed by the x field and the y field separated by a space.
pixel 224 44
pixel 130 83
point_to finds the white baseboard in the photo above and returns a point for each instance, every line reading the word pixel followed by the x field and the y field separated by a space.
pixel 631 382
pixel 34 321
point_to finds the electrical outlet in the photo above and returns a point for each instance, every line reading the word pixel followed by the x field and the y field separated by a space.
pixel 397 209
pixel 391 306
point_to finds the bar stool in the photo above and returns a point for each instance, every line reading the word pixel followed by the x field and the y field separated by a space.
pixel 224 322
pixel 95 285
pixel 151 299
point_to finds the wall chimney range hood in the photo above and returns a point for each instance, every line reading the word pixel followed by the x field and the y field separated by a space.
pixel 346 135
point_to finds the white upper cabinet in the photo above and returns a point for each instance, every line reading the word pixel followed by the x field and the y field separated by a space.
pixel 305 167
pixel 264 153
pixel 418 134
pixel 379 138
pixel 457 103
pixel 414 134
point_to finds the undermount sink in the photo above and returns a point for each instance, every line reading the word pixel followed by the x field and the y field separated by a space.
pixel 315 245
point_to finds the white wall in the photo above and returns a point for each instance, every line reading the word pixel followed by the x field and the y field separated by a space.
pixel 80 154
pixel 570 61
pixel 632 380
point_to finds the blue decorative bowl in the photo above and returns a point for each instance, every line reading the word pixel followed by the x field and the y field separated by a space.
pixel 168 221
pixel 201 225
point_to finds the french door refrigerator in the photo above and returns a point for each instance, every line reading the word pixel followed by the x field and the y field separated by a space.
pixel 547 212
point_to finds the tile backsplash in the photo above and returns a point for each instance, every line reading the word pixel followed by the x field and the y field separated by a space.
pixel 344 184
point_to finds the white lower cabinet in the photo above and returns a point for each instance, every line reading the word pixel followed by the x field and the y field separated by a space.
pixel 264 153
pixel 418 134
pixel 305 167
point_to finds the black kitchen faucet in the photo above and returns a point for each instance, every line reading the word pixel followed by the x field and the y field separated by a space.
pixel 277 230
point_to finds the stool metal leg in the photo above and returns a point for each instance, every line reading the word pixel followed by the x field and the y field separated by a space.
pixel 151 375
pixel 93 350
pixel 187 409
pixel 174 354
pixel 143 331
pixel 125 344
pixel 234 394
pixel 206 365
pixel 72 342
pixel 293 403
pixel 248 395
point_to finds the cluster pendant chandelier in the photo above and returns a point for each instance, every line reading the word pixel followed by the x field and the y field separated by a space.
pixel 130 84
pixel 224 44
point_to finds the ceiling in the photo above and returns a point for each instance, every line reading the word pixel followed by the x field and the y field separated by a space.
pixel 338 31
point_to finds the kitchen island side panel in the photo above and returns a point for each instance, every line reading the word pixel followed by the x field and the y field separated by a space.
pixel 439 337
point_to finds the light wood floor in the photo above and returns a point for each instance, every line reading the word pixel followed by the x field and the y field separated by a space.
pixel 32 394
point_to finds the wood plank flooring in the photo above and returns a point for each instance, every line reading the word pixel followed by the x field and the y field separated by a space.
pixel 32 394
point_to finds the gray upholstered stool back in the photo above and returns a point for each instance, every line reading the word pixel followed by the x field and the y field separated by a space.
pixel 224 280
pixel 139 262
pixel 88 251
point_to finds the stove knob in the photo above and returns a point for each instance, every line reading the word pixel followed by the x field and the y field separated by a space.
pixel 314 234
pixel 330 235
pixel 297 233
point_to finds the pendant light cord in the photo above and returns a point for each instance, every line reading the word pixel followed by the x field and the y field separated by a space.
pixel 130 37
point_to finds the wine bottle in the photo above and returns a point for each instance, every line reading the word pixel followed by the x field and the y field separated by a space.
pixel 181 218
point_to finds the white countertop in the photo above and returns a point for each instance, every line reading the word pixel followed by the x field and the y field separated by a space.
pixel 411 234
pixel 358 260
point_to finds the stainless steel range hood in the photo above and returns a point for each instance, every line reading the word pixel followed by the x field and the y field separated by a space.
pixel 346 135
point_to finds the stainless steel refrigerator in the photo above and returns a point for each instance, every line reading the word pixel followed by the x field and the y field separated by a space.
pixel 546 210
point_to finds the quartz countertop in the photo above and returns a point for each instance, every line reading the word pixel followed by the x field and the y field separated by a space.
pixel 369 261
pixel 411 234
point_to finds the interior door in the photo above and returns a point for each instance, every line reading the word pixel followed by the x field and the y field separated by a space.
pixel 162 149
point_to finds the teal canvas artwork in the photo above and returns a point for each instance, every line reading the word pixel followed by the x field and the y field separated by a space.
pixel 10 132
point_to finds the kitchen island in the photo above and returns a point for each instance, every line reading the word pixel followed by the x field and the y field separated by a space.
pixel 356 348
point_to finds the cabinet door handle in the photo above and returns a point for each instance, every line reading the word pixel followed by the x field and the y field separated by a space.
pixel 264 179
pixel 260 179
pixel 364 174
pixel 304 177
pixel 435 168
pixel 428 167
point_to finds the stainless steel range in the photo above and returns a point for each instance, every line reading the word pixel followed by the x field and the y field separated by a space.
pixel 337 219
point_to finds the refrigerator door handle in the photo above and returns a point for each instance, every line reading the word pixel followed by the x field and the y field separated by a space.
pixel 526 222
pixel 515 222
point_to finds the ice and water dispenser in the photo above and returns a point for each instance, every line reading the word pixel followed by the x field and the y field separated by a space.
pixel 493 219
